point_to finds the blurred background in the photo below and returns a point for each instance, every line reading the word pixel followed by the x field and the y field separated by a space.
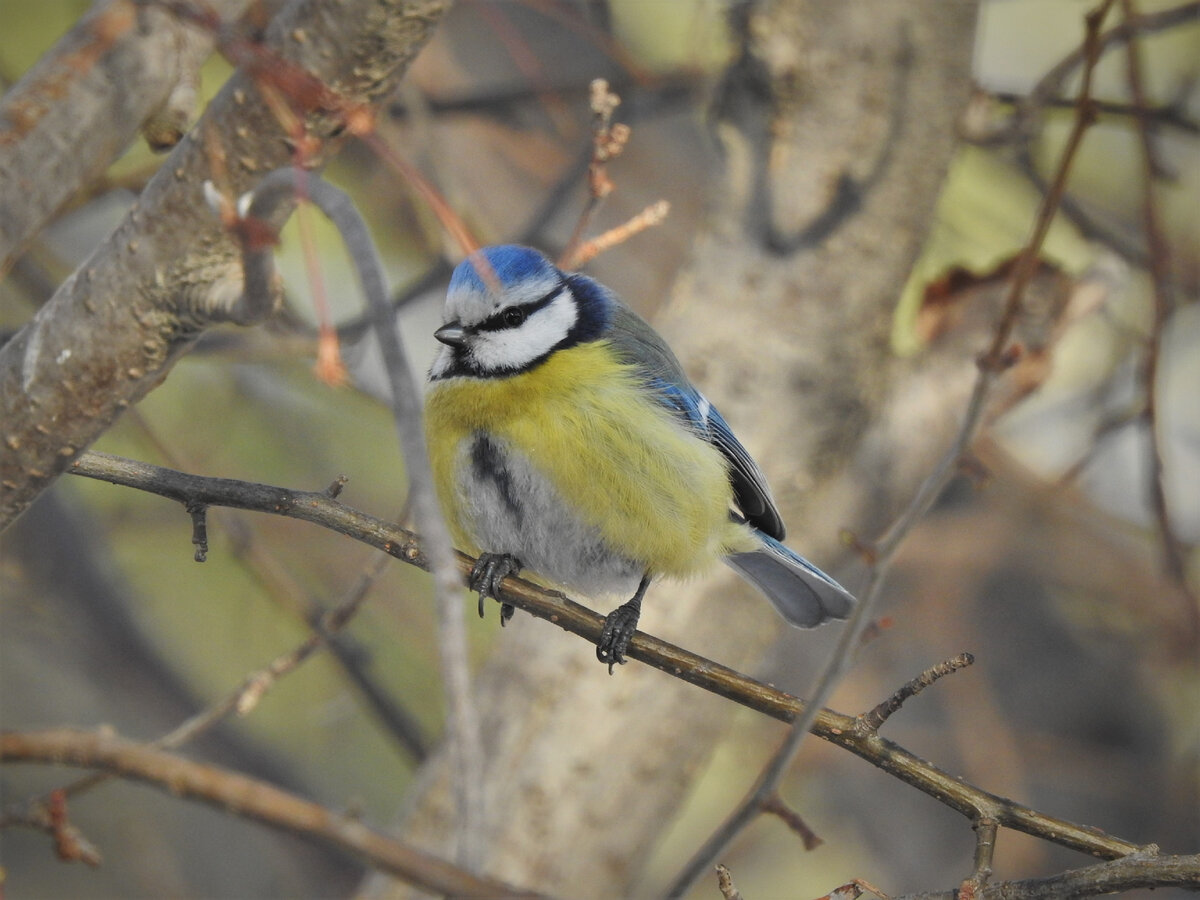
pixel 1044 562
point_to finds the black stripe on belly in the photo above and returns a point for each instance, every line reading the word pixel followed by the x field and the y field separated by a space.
pixel 487 464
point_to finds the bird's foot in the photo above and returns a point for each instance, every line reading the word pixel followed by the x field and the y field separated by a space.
pixel 619 626
pixel 489 570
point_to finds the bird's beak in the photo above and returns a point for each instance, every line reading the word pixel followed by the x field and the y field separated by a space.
pixel 452 334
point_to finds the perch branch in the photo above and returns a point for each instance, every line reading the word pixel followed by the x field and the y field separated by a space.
pixel 319 508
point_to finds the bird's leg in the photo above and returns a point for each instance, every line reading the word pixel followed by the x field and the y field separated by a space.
pixel 489 570
pixel 619 626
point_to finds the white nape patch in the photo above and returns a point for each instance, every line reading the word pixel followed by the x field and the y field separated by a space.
pixel 515 348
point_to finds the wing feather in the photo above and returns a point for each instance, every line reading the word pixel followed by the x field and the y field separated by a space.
pixel 642 347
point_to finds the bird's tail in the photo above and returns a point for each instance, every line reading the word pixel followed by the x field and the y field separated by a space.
pixel 803 594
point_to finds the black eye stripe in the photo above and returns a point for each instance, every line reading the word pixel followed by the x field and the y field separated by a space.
pixel 500 320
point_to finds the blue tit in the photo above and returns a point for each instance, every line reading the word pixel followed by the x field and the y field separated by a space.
pixel 566 440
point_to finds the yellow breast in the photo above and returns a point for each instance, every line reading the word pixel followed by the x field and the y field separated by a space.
pixel 624 464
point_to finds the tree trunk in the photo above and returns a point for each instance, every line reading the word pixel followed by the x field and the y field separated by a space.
pixel 113 330
pixel 838 123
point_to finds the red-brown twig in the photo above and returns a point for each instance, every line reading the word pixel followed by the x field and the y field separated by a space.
pixel 776 806
pixel 652 215
pixel 608 141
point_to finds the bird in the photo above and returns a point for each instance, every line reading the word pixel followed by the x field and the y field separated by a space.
pixel 567 442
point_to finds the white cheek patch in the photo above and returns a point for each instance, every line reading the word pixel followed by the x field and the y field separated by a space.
pixel 515 348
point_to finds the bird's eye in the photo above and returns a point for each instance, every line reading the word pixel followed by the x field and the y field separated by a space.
pixel 513 316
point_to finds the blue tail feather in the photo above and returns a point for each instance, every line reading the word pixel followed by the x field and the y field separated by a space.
pixel 802 593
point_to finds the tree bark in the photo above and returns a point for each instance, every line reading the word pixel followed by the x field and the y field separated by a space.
pixel 838 123
pixel 113 330
pixel 74 112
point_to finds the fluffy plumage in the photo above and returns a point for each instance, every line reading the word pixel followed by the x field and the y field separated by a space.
pixel 565 438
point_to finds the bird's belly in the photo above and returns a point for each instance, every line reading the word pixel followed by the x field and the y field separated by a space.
pixel 579 472
pixel 508 506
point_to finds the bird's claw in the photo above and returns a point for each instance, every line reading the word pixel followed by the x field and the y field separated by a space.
pixel 487 573
pixel 619 627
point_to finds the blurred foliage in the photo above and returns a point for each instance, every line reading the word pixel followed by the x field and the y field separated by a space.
pixel 247 406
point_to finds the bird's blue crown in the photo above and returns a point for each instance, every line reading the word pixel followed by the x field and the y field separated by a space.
pixel 511 264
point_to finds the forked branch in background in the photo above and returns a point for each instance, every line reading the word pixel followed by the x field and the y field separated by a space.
pixel 254 211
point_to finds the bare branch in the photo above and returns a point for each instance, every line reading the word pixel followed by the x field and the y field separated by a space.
pixel 652 215
pixel 123 64
pixel 991 364
pixel 169 270
pixel 776 806
pixel 319 508
pixel 251 799
pixel 1144 869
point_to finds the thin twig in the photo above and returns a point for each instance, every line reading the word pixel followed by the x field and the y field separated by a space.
pixel 985 849
pixel 725 884
pixel 993 361
pixel 776 806
pixel 608 141
pixel 1049 84
pixel 1023 124
pixel 1172 116
pixel 652 215
pixel 320 509
pixel 1160 277
pixel 874 719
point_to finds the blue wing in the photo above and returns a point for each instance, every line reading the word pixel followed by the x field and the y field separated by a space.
pixel 750 488
pixel 642 347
